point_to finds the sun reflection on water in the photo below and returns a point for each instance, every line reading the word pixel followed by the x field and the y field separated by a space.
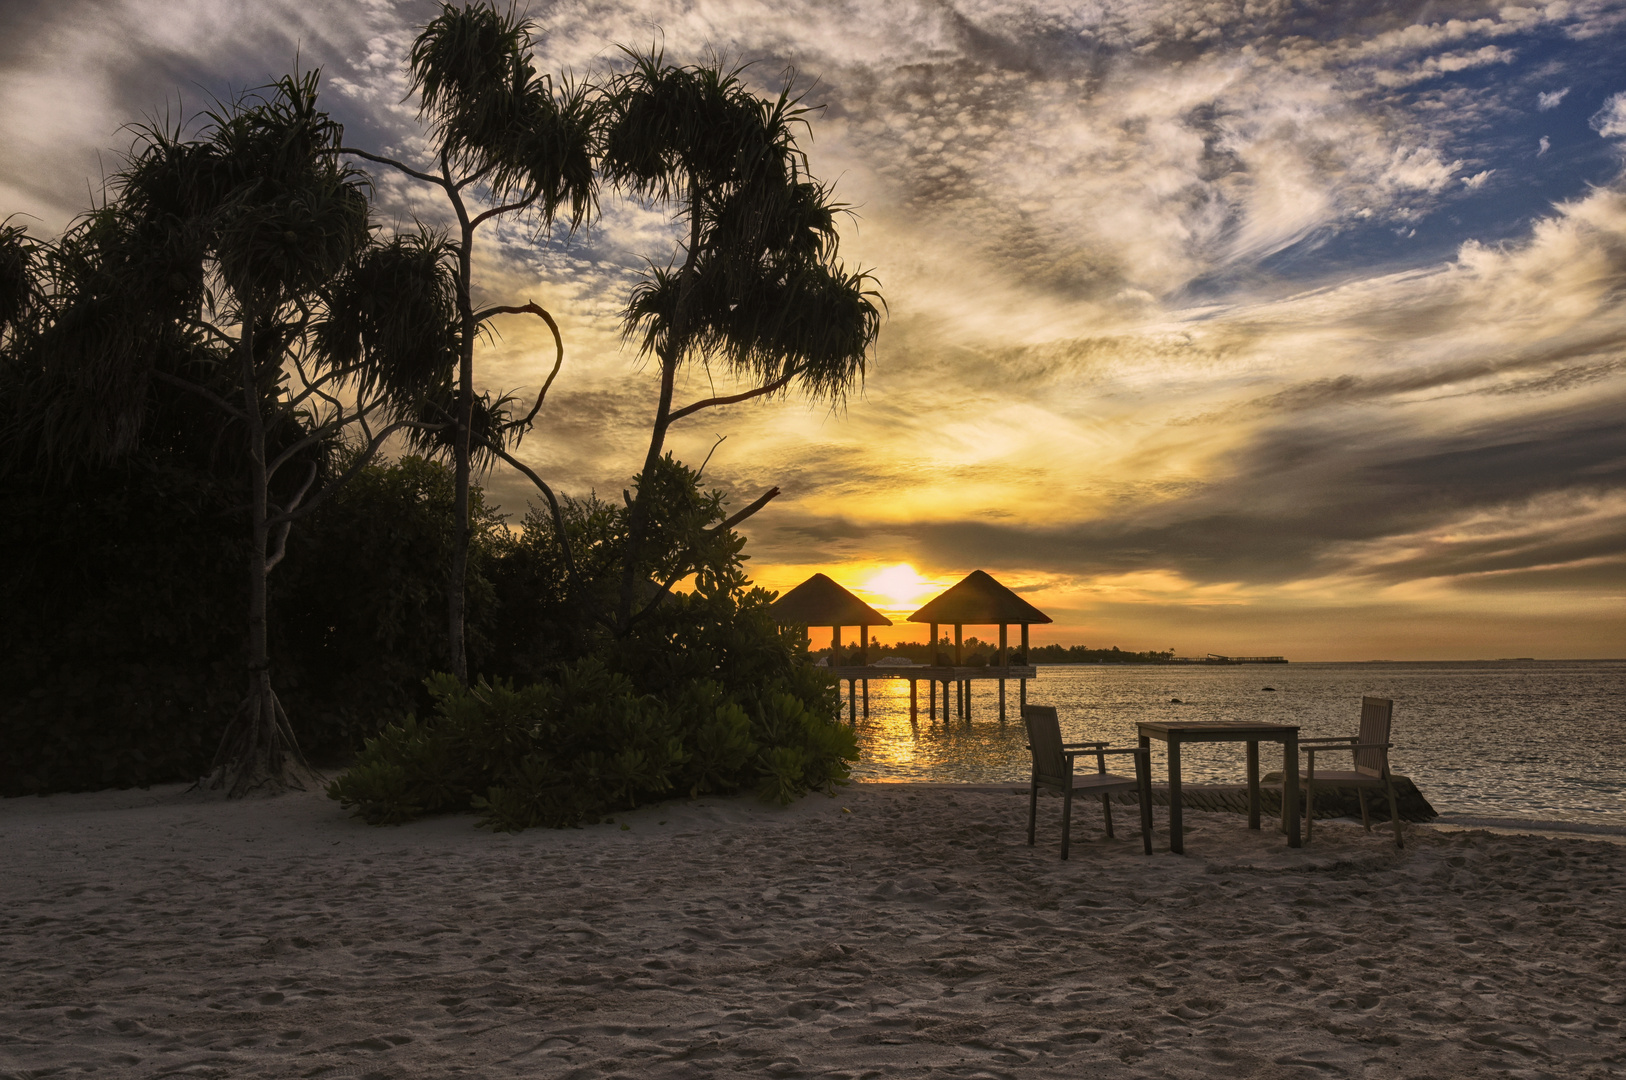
pixel 1453 723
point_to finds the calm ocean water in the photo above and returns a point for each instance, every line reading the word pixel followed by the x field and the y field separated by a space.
pixel 1538 740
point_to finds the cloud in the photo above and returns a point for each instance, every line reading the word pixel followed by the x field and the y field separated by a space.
pixel 1610 121
pixel 1549 99
pixel 1152 341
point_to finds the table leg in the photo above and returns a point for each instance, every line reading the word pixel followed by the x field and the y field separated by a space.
pixel 1290 788
pixel 1253 783
pixel 1177 842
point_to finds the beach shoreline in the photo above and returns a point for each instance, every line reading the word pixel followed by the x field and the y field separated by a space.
pixel 892 930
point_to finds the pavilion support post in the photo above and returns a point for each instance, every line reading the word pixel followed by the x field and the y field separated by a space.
pixel 1023 690
pixel 835 662
pixel 931 700
pixel 852 701
pixel 959 658
pixel 1004 662
pixel 863 658
pixel 914 704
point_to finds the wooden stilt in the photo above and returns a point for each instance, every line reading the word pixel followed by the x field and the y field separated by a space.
pixel 914 707
pixel 959 658
pixel 931 701
pixel 863 658
pixel 835 662
pixel 1023 691
pixel 852 703
pixel 1004 662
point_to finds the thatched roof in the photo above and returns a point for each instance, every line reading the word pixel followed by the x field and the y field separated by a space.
pixel 818 601
pixel 979 600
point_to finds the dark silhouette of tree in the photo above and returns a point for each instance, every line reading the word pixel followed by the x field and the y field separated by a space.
pixel 756 289
pixel 239 268
pixel 508 141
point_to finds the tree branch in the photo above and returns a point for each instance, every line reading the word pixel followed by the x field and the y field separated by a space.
pixel 684 564
pixel 213 398
pixel 429 178
pixel 474 177
pixel 553 507
pixel 763 500
pixel 730 399
pixel 533 308
pixel 505 208
pixel 361 462
pixel 283 527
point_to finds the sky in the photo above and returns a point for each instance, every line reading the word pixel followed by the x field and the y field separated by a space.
pixel 1236 327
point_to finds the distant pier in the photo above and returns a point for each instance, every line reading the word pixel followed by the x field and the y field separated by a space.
pixel 1216 658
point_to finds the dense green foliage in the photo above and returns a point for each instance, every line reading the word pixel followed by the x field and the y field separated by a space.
pixel 195 376
pixel 121 656
pixel 705 694
pixel 120 650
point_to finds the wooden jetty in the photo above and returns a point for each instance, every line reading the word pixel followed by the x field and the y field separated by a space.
pixel 934 676
pixel 979 600
pixel 819 601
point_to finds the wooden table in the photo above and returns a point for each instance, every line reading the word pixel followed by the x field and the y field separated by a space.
pixel 1176 732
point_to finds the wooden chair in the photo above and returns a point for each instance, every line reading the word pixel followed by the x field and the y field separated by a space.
pixel 1053 770
pixel 1371 750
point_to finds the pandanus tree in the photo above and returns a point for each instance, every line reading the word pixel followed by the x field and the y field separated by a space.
pixel 507 141
pixel 239 267
pixel 755 288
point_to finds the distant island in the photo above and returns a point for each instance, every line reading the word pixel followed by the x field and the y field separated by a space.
pixel 978 653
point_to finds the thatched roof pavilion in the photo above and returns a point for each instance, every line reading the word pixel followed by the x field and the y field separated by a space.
pixel 819 601
pixel 979 600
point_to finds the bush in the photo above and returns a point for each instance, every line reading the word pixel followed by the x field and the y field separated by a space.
pixel 569 751
pixel 705 695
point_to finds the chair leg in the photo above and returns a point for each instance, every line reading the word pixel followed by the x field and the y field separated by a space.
pixel 1143 776
pixel 1106 811
pixel 1366 819
pixel 1066 821
pixel 1394 812
pixel 1033 808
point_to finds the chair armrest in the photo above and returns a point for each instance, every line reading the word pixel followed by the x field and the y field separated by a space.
pixel 1081 745
pixel 1124 750
pixel 1348 746
pixel 1337 739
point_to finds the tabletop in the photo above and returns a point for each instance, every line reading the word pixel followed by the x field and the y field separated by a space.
pixel 1244 728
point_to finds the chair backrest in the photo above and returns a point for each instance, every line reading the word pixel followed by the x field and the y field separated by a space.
pixel 1044 739
pixel 1376 712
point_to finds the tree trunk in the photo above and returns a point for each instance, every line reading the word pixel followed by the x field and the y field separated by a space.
pixel 258 753
pixel 457 586
pixel 638 520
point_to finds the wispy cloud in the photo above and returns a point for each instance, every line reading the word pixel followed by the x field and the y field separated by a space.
pixel 1158 342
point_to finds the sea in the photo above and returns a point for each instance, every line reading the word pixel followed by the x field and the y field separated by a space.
pixel 1496 741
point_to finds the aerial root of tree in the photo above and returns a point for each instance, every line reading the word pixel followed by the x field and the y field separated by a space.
pixel 259 754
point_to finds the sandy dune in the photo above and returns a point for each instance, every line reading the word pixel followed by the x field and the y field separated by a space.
pixel 144 935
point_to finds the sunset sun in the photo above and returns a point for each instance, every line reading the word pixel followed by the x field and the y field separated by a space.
pixel 900 587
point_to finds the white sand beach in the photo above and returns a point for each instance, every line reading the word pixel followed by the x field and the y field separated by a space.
pixel 889 931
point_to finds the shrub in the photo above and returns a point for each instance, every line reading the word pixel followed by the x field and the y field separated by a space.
pixel 704 695
pixel 586 744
